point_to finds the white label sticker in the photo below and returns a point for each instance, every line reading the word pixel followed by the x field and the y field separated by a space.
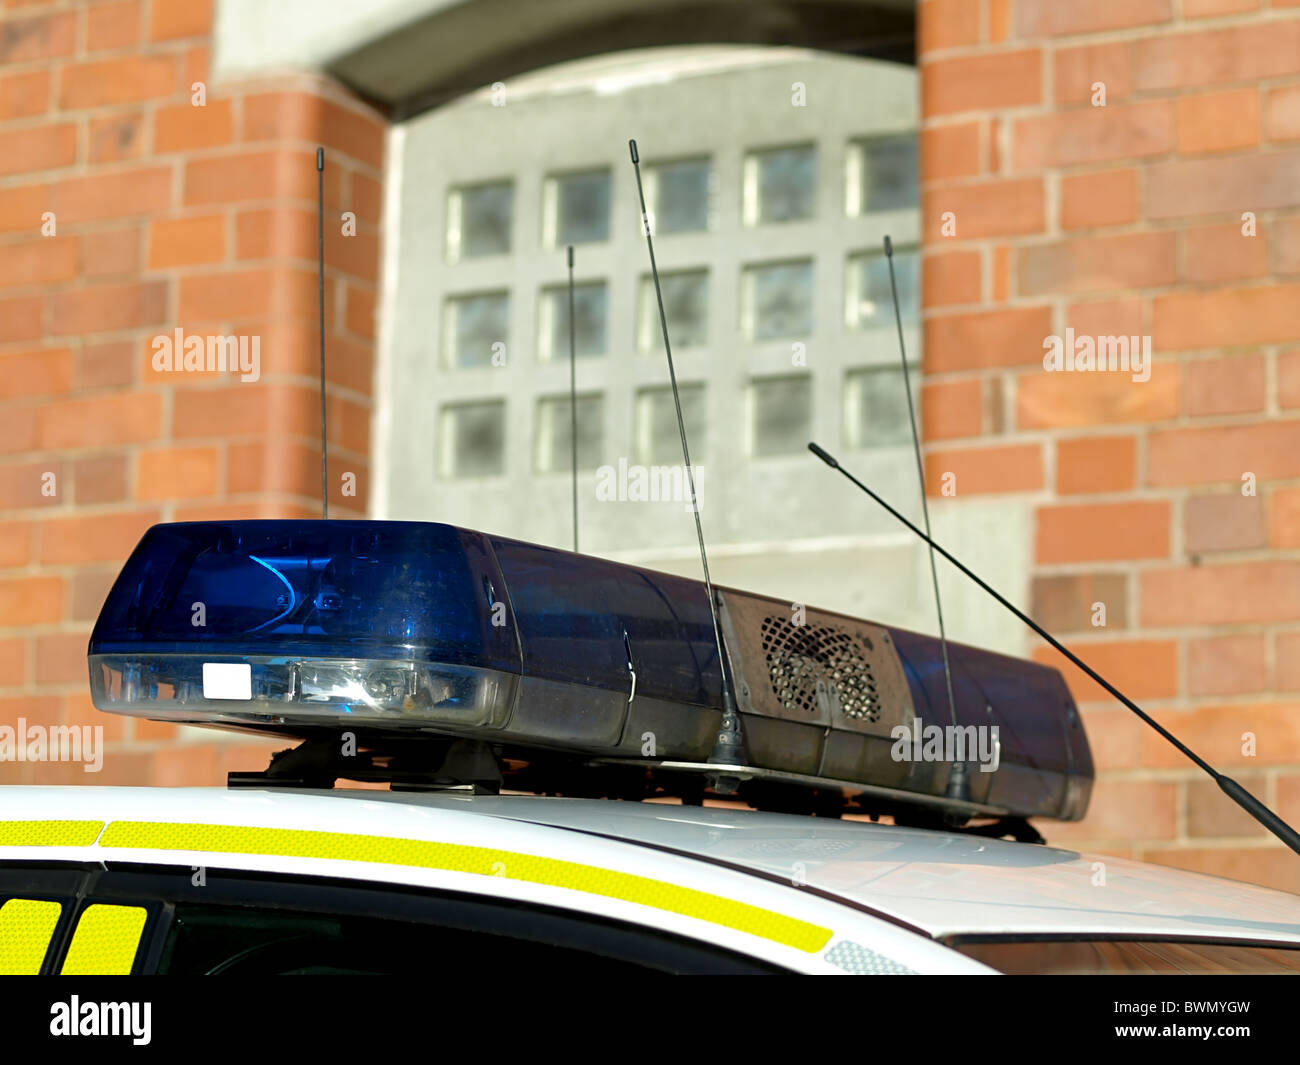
pixel 227 680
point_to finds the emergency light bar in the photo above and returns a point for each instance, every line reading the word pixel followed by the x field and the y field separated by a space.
pixel 409 630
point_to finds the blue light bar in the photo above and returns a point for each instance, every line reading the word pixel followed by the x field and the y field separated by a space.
pixel 294 627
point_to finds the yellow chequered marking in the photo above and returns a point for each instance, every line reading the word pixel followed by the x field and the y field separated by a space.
pixel 460 858
pixel 49 833
pixel 105 941
pixel 26 928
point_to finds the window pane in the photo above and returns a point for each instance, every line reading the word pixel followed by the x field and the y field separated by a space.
pixel 479 220
pixel 780 185
pixel 686 306
pixel 590 302
pixel 473 325
pixel 473 439
pixel 578 208
pixel 778 300
pixel 681 197
pixel 870 302
pixel 658 439
pixel 887 173
pixel 782 415
pixel 554 433
pixel 875 408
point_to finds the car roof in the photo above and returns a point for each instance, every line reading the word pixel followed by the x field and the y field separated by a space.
pixel 943 883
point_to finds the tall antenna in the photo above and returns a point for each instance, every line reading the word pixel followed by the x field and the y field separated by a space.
pixel 573 401
pixel 320 299
pixel 729 747
pixel 958 781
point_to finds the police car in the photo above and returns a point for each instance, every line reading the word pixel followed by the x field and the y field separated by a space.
pixel 548 726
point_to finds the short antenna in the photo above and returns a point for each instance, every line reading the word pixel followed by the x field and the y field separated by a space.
pixel 729 747
pixel 958 780
pixel 320 299
pixel 573 401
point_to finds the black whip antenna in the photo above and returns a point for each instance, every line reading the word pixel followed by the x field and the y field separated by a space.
pixel 1227 785
pixel 320 299
pixel 573 401
pixel 729 747
pixel 958 780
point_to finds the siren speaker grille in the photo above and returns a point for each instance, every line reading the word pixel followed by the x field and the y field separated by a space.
pixel 798 656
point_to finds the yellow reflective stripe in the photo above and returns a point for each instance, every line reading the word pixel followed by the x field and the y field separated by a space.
pixel 460 858
pixel 49 833
pixel 105 941
pixel 26 928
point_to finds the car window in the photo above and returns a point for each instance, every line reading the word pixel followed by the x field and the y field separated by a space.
pixel 1098 957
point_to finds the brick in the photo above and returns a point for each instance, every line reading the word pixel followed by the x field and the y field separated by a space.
pixel 23 39
pixel 951 409
pixel 1257 181
pixel 128 79
pixel 1079 68
pixel 99 479
pixel 1284 244
pixel 947 24
pixel 985 470
pixel 1067 603
pixel 1141 669
pixel 1050 18
pixel 1282 114
pixel 227 295
pixel 1227 665
pixel 1232 385
pixel 24 94
pixel 1001 273
pixel 1106 198
pixel 1102 532
pixel 112 252
pixel 1011 337
pixel 61 658
pixel 368 197
pixel 1288 379
pixel 999 21
pixel 1284 522
pixel 1224 522
pixel 116 137
pixel 1093 135
pixel 93 537
pixel 42 261
pixel 121 194
pixel 174 19
pixel 177 473
pixel 30 601
pixel 1126 810
pixel 38 148
pixel 276 233
pixel 105 365
pixel 1211 814
pixel 16 542
pixel 20 430
pixel 39 372
pixel 1098 318
pixel 1215 254
pixel 349 425
pixel 1270 866
pixel 13 663
pixel 1247 53
pixel 360 312
pixel 1096 464
pixel 987 209
pixel 1217 734
pixel 100 421
pixel 1223 593
pixel 273 467
pixel 184 127
pixel 90 587
pixel 189 766
pixel 1097 264
pixel 107 308
pixel 1218 122
pixel 245 411
pixel 357 255
pixel 113 25
pixel 1269 450
pixel 251 176
pixel 22 484
pixel 187 241
pixel 21 208
pixel 295 116
pixel 1215 8
pixel 1226 317
pixel 1082 399
pixel 982 82
pixel 952 277
pixel 950 151
pixel 1288 661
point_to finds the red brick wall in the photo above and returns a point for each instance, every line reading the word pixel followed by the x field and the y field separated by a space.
pixel 165 215
pixel 1117 220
